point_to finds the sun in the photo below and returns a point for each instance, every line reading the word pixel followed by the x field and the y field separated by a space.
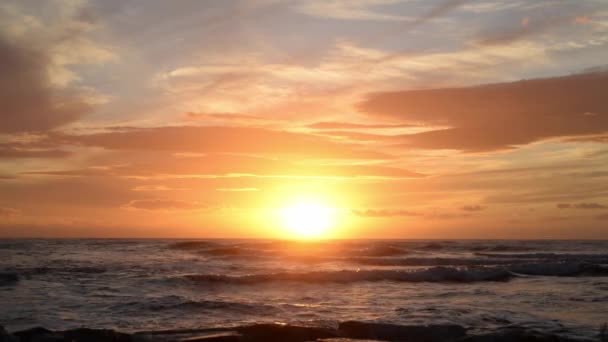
pixel 307 219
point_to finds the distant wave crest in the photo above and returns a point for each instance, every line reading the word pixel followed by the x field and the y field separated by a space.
pixel 435 274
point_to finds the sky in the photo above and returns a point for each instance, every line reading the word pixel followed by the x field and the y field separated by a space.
pixel 406 118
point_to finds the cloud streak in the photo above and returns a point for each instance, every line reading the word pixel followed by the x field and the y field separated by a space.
pixel 222 139
pixel 581 206
pixel 163 205
pixel 499 116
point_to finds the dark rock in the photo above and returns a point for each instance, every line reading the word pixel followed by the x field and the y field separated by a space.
pixel 5 336
pixel 229 336
pixel 95 335
pixel 8 278
pixel 282 332
pixel 410 333
pixel 39 334
pixel 518 335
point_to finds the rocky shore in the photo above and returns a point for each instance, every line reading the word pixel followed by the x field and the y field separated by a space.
pixel 346 331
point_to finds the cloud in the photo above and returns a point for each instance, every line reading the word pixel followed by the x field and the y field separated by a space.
pixel 527 28
pixel 28 101
pixel 357 136
pixel 163 204
pixel 222 117
pixel 538 20
pixel 220 165
pixel 581 206
pixel 602 139
pixel 348 10
pixel 499 116
pixel 237 189
pixel 9 212
pixel 351 125
pixel 11 151
pixel 100 192
pixel 40 46
pixel 221 139
pixel 437 11
pixel 446 216
pixel 383 213
pixel 472 208
pixel 603 217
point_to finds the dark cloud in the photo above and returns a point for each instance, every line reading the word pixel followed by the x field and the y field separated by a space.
pixel 28 101
pixel 581 206
pixel 499 116
pixel 11 151
pixel 603 217
pixel 101 192
pixel 472 208
pixel 163 204
pixel 221 139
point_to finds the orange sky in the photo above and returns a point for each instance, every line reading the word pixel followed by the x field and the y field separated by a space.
pixel 409 119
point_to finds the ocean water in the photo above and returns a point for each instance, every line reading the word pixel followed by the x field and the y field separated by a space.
pixel 558 287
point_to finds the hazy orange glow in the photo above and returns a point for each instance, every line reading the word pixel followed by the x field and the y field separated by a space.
pixel 413 128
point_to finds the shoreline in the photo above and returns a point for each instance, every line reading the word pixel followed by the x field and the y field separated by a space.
pixel 345 331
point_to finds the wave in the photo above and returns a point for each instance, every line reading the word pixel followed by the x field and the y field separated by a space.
pixel 502 248
pixel 425 261
pixel 597 258
pixel 188 245
pixel 561 269
pixel 435 274
pixel 178 303
pixel 44 270
pixel 313 255
pixel 68 269
pixel 379 251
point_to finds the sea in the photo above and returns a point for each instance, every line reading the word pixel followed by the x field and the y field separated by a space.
pixel 558 287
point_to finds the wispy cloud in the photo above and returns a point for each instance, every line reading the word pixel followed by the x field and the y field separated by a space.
pixel 349 10
pixel 163 204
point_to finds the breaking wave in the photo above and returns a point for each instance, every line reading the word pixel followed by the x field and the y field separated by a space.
pixel 435 274
pixel 596 258
pixel 561 269
pixel 178 303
